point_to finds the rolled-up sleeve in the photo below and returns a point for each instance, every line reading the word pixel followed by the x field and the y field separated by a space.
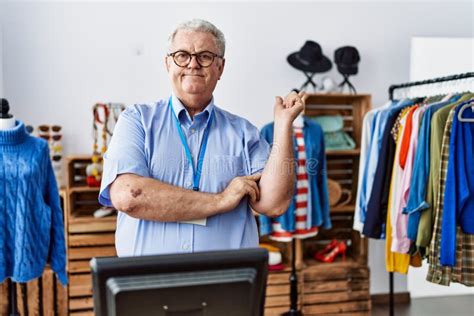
pixel 126 152
pixel 257 149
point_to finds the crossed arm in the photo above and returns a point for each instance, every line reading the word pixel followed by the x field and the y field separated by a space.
pixel 270 193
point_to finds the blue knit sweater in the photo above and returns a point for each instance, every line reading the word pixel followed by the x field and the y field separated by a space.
pixel 31 219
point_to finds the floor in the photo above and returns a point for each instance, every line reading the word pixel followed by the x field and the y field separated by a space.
pixel 462 305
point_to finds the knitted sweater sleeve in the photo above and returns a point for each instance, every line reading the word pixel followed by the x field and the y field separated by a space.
pixel 57 247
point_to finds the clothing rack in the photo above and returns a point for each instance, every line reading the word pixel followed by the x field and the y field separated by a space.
pixel 391 89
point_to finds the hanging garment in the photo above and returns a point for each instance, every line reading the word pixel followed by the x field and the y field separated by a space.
pixel 395 262
pixel 416 200
pixel 368 138
pixel 403 164
pixel 459 193
pixel 376 205
pixel 368 174
pixel 438 122
pixel 318 200
pixel 31 218
pixel 464 270
pixel 301 197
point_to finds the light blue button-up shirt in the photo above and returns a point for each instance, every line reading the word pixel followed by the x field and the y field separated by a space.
pixel 146 142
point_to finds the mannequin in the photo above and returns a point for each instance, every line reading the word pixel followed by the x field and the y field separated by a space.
pixel 32 216
pixel 7 121
pixel 299 121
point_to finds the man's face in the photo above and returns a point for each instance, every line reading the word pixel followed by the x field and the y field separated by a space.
pixel 194 79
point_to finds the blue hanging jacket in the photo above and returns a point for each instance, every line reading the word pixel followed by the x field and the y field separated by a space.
pixel 318 199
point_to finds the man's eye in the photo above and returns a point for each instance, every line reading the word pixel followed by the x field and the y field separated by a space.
pixel 181 56
pixel 206 57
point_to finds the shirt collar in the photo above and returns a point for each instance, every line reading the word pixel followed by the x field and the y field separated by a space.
pixel 183 115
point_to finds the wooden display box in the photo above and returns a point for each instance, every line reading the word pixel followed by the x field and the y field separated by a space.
pixel 277 300
pixel 87 236
pixel 336 288
pixel 42 296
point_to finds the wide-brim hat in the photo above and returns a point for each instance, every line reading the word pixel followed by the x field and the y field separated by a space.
pixel 310 58
pixel 347 59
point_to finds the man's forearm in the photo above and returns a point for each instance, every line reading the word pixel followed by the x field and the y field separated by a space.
pixel 150 199
pixel 277 182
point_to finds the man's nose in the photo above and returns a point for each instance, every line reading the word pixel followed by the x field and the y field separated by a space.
pixel 193 63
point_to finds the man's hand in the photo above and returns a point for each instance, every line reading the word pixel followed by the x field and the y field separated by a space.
pixel 286 110
pixel 237 189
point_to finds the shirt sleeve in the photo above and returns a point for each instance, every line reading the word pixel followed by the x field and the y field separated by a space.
pixel 448 223
pixel 57 247
pixel 465 173
pixel 126 152
pixel 257 149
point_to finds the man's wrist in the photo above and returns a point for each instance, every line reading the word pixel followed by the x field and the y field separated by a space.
pixel 283 125
pixel 218 202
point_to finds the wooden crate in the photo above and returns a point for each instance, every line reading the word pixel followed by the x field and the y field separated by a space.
pixel 341 287
pixel 42 296
pixel 87 237
pixel 76 170
pixel 277 299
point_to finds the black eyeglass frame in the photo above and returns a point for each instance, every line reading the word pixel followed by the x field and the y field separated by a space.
pixel 194 55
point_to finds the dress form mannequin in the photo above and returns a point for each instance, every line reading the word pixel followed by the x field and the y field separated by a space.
pixel 7 121
pixel 298 122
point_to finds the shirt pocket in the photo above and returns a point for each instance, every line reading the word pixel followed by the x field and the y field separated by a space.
pixel 219 170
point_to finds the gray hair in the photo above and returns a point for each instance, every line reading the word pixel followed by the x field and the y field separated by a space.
pixel 199 25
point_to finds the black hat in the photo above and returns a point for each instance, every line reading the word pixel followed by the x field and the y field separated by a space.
pixel 310 58
pixel 347 58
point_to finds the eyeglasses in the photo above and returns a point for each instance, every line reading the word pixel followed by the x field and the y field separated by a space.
pixel 182 58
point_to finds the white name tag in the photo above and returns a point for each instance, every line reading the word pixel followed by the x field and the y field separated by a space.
pixel 201 222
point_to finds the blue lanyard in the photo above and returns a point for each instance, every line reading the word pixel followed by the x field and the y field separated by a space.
pixel 202 150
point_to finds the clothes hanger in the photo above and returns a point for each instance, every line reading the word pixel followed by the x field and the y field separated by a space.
pixel 468 104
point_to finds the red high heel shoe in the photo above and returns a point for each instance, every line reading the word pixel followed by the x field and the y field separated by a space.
pixel 326 249
pixel 339 249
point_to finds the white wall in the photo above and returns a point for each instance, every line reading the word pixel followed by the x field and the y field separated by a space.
pixel 61 58
pixel 434 57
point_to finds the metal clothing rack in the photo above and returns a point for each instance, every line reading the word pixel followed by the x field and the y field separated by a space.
pixel 391 89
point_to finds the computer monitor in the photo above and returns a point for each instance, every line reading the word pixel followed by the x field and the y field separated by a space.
pixel 217 283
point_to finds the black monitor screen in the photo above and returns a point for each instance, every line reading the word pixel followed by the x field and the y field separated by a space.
pixel 204 283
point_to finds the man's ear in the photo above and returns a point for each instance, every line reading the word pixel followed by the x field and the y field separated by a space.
pixel 221 67
pixel 166 64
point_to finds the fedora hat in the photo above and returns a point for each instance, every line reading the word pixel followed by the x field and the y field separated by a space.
pixel 310 58
pixel 347 59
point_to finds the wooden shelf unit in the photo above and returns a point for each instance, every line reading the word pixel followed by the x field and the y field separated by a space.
pixel 86 236
pixel 338 288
